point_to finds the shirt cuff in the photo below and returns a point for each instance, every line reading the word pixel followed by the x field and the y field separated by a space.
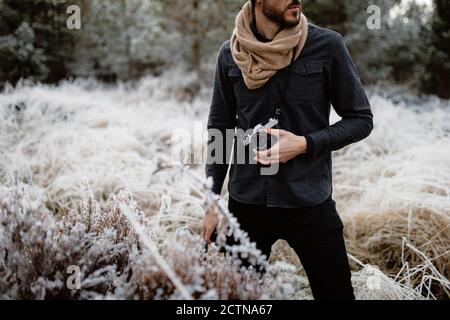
pixel 217 191
pixel 309 145
pixel 320 143
pixel 217 187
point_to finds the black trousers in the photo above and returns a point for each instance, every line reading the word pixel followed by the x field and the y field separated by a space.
pixel 316 235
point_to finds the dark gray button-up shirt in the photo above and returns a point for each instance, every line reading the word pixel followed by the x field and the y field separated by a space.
pixel 322 76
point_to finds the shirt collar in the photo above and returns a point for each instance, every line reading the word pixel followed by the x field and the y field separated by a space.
pixel 257 34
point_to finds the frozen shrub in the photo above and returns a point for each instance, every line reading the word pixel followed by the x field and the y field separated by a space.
pixel 37 249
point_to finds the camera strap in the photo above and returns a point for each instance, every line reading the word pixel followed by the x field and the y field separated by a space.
pixel 274 121
pixel 283 91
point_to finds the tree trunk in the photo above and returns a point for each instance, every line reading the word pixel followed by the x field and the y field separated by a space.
pixel 196 55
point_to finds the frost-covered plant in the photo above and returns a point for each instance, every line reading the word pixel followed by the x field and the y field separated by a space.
pixel 37 248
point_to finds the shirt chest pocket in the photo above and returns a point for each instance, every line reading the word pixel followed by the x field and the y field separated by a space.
pixel 244 96
pixel 307 82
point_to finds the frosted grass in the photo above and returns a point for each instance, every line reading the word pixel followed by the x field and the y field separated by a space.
pixel 391 189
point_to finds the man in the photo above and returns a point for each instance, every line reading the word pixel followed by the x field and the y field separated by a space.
pixel 277 66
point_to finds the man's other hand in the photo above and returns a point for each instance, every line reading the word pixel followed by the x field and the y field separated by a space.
pixel 210 223
pixel 287 148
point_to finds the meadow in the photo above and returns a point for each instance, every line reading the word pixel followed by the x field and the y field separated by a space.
pixel 91 176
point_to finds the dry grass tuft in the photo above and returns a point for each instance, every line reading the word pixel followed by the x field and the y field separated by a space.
pixel 380 239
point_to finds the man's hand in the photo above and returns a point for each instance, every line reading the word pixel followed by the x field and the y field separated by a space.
pixel 210 222
pixel 287 148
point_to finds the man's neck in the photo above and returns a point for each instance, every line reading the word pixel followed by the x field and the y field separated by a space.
pixel 266 27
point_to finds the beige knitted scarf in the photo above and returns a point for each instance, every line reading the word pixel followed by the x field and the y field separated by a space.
pixel 259 61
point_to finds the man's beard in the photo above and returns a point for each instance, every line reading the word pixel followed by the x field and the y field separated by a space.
pixel 278 16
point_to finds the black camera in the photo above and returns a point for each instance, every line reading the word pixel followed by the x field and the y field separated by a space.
pixel 260 137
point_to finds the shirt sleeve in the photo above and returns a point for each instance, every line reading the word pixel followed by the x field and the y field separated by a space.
pixel 350 102
pixel 222 118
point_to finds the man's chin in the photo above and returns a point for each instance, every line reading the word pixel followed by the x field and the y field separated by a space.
pixel 291 22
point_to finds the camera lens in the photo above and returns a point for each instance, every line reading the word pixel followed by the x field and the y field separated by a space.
pixel 264 141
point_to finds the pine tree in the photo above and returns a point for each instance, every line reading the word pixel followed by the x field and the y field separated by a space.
pixel 123 39
pixel 201 26
pixel 349 18
pixel 103 45
pixel 330 14
pixel 404 49
pixel 33 40
pixel 436 80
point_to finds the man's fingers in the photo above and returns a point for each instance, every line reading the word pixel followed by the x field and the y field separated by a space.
pixel 208 234
pixel 270 154
pixel 272 132
pixel 265 161
pixel 264 154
